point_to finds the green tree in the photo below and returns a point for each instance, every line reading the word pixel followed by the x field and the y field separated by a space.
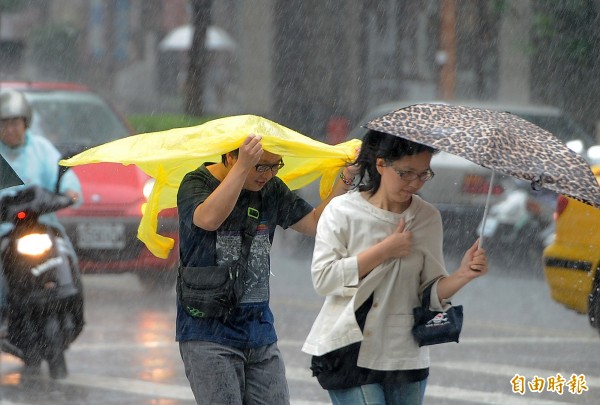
pixel 567 56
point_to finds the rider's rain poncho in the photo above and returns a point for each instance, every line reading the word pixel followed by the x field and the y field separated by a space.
pixel 36 162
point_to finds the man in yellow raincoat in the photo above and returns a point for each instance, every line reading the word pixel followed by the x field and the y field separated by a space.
pixel 235 359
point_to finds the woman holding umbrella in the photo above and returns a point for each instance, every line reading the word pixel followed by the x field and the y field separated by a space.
pixel 376 251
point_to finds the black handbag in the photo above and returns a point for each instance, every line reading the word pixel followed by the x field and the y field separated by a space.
pixel 435 327
pixel 215 291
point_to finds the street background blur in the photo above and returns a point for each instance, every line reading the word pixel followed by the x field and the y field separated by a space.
pixel 318 67
pixel 315 66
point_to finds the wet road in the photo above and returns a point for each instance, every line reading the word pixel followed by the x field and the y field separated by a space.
pixel 127 354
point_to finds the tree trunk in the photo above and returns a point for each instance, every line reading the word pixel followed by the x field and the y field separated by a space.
pixel 198 58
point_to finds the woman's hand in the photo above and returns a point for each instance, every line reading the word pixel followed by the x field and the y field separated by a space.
pixel 394 246
pixel 398 244
pixel 352 170
pixel 474 262
pixel 472 265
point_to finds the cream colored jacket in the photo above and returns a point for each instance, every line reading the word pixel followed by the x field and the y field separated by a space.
pixel 349 225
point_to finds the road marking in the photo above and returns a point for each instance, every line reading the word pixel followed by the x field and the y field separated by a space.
pixel 292 402
pixel 77 346
pixel 303 374
pixel 448 393
pixel 161 390
pixel 300 374
pixel 482 397
pixel 492 340
pixel 529 340
pixel 303 402
pixel 508 371
pixel 131 386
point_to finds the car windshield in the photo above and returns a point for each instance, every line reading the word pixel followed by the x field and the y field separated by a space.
pixel 74 121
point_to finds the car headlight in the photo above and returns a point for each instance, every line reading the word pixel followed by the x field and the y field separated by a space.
pixel 147 189
pixel 576 145
pixel 593 154
pixel 34 244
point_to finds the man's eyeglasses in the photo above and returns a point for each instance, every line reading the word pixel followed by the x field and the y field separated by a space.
pixel 408 175
pixel 274 168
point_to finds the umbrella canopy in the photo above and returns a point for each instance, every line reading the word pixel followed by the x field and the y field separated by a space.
pixel 8 177
pixel 168 155
pixel 499 141
pixel 180 39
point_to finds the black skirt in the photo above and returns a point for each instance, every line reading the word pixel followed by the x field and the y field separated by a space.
pixel 338 370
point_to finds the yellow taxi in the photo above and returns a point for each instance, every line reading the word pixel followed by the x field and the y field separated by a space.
pixel 572 261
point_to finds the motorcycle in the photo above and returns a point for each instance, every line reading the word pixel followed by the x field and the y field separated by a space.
pixel 45 293
pixel 520 225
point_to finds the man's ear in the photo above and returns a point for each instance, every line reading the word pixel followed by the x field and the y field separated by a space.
pixel 230 158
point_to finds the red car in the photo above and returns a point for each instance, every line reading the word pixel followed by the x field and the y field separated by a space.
pixel 104 228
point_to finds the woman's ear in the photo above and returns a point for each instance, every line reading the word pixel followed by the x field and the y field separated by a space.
pixel 379 165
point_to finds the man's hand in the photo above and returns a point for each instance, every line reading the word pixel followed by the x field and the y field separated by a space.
pixel 250 151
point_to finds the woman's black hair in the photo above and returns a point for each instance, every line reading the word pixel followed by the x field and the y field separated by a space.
pixel 376 145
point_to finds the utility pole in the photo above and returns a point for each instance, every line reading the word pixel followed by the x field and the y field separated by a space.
pixel 198 58
pixel 447 53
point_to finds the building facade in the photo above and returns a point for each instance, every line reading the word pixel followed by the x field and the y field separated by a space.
pixel 301 62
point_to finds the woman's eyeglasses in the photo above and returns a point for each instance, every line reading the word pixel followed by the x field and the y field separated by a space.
pixel 409 175
pixel 274 168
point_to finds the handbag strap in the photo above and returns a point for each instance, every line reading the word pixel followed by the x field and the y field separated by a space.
pixel 427 296
pixel 252 222
pixel 425 301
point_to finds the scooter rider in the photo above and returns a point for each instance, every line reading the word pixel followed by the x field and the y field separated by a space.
pixel 34 159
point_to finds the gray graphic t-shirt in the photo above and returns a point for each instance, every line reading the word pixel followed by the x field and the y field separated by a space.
pixel 251 324
pixel 228 247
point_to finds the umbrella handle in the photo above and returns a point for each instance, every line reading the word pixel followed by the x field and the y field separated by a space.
pixel 487 206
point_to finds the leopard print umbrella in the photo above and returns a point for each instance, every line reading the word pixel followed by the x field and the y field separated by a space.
pixel 499 141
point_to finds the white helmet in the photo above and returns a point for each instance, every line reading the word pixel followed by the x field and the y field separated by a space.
pixel 13 104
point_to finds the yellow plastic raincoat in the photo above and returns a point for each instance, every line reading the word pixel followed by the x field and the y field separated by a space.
pixel 168 155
